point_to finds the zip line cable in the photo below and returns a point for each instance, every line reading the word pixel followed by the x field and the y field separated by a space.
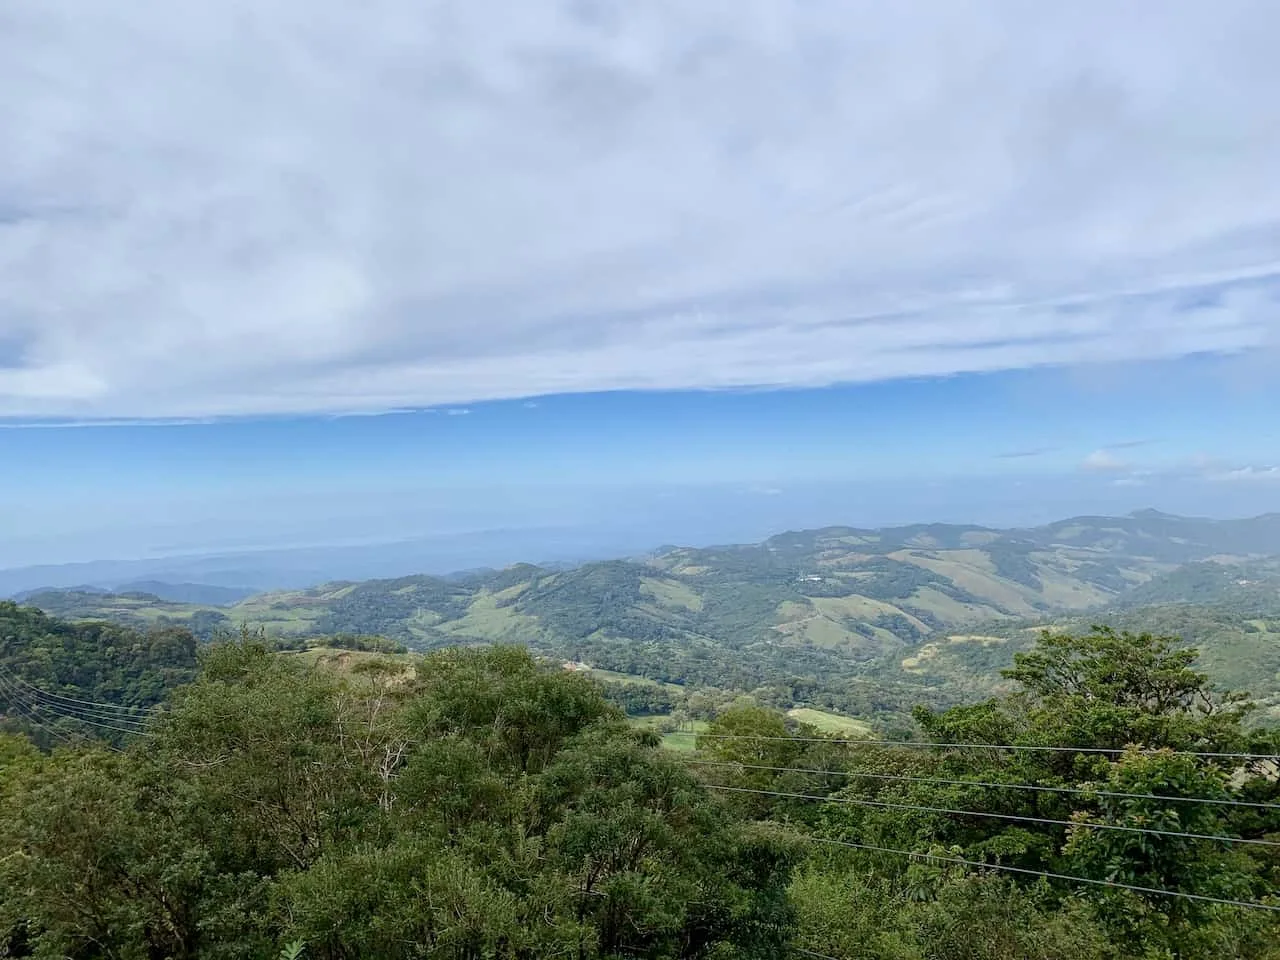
pixel 89 711
pixel 891 805
pixel 981 783
pixel 54 731
pixel 107 726
pixel 1114 751
pixel 1249 904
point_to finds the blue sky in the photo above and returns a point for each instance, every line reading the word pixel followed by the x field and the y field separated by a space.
pixel 854 252
pixel 1193 435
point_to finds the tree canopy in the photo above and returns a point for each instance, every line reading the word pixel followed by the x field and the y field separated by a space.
pixel 480 805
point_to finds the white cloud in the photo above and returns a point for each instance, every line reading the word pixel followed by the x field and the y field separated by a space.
pixel 457 411
pixel 1103 461
pixel 1129 444
pixel 1248 473
pixel 231 208
pixel 105 422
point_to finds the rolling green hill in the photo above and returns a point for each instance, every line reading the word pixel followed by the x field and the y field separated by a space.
pixel 858 621
pixel 1240 648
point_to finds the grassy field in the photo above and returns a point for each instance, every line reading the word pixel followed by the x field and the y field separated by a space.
pixel 486 620
pixel 831 722
pixel 344 661
pixel 993 590
pixel 684 740
pixel 607 675
pixel 671 593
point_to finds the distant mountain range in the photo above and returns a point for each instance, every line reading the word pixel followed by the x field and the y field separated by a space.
pixel 204 594
pixel 928 573
pixel 284 568
pixel 926 605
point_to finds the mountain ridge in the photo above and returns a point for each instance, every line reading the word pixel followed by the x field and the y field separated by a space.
pixel 1107 555
pixel 263 570
pixel 861 621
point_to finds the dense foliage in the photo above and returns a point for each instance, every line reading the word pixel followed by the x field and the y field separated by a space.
pixel 1101 691
pixel 477 804
pixel 47 665
pixel 481 808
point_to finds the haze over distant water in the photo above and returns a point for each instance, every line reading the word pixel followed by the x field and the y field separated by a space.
pixel 265 569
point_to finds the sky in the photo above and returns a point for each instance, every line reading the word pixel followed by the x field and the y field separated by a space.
pixel 309 272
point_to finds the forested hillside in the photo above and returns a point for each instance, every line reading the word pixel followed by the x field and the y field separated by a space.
pixel 1240 649
pixel 473 804
pixel 863 622
pixel 52 673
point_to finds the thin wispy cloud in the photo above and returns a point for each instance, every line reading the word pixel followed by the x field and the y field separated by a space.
pixel 1103 461
pixel 1248 474
pixel 105 422
pixel 1129 444
pixel 1024 454
pixel 234 208
pixel 1199 468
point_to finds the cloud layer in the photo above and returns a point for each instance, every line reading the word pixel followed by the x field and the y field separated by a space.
pixel 232 208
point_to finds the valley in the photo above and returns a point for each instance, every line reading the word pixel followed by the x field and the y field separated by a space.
pixel 821 705
pixel 865 623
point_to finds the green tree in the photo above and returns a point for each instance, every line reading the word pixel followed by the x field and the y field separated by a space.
pixel 480 806
pixel 1172 862
pixel 1101 691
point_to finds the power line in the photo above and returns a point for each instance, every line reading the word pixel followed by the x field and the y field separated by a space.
pixel 27 714
pixel 16 697
pixel 58 710
pixel 891 805
pixel 68 711
pixel 981 783
pixel 76 709
pixel 1252 905
pixel 37 722
pixel 106 726
pixel 920 744
pixel 95 704
pixel 131 731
